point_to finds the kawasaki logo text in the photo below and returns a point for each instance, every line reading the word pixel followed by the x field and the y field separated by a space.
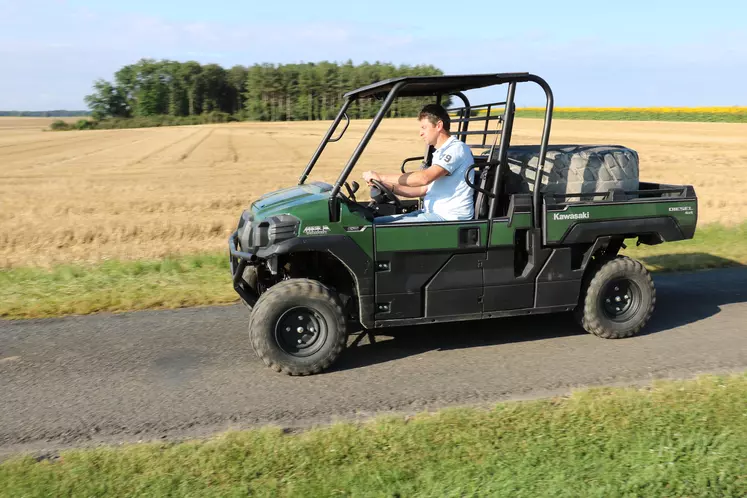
pixel 571 216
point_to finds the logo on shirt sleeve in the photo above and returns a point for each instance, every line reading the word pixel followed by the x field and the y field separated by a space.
pixel 448 158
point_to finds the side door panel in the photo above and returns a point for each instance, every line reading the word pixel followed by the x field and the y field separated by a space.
pixel 400 278
pixel 454 290
pixel 429 269
pixel 505 289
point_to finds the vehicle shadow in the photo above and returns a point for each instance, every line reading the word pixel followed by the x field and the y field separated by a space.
pixel 682 299
pixel 400 342
pixel 688 261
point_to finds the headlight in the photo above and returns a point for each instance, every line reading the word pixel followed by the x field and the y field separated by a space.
pixel 272 230
pixel 282 227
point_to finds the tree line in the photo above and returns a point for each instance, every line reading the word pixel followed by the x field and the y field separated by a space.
pixel 262 92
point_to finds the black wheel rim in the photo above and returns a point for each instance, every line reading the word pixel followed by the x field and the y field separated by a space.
pixel 621 300
pixel 301 331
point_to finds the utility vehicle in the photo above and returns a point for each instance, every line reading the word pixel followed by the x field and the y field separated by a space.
pixel 549 223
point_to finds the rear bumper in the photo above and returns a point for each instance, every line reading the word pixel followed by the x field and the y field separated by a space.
pixel 238 263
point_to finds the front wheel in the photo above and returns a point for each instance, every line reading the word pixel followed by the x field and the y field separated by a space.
pixel 298 327
pixel 619 299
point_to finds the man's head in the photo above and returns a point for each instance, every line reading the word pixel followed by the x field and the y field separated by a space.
pixel 434 123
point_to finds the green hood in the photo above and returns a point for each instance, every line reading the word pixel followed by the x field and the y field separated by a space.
pixel 292 199
pixel 309 204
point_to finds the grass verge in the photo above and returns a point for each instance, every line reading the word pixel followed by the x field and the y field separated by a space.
pixel 714 246
pixel 117 286
pixel 675 438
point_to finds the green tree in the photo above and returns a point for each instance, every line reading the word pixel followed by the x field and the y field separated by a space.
pixel 215 89
pixel 107 101
pixel 264 92
pixel 236 79
pixel 191 76
pixel 151 88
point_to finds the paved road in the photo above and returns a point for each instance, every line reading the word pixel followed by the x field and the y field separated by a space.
pixel 191 372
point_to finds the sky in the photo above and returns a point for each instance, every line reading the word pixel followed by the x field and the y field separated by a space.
pixel 592 53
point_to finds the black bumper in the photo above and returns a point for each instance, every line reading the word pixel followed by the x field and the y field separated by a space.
pixel 238 261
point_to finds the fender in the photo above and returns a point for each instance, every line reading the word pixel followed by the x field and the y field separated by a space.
pixel 345 250
pixel 665 227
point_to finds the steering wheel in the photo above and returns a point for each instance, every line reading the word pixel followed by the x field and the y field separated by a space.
pixel 385 194
pixel 352 190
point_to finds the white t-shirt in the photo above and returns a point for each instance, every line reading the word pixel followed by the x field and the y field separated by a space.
pixel 449 196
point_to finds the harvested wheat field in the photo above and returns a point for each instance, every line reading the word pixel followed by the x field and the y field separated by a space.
pixel 146 193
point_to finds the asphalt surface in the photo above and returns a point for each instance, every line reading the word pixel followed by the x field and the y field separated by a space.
pixel 191 372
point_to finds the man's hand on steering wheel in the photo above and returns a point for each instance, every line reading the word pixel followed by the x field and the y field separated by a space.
pixel 387 193
pixel 371 175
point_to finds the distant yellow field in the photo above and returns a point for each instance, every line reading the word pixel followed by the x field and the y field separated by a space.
pixel 145 193
pixel 733 114
pixel 689 110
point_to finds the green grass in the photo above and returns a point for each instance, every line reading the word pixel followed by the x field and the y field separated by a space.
pixel 117 286
pixel 683 438
pixel 714 246
pixel 710 117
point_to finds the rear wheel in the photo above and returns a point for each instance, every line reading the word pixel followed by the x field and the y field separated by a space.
pixel 298 327
pixel 618 300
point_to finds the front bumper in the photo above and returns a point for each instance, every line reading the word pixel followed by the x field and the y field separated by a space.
pixel 238 262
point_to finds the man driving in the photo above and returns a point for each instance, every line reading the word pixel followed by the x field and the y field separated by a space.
pixel 447 196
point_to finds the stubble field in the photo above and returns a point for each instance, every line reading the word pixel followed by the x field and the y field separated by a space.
pixel 148 193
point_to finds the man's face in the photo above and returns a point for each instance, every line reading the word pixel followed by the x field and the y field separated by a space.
pixel 429 132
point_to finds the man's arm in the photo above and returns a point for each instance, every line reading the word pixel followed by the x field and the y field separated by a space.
pixel 420 178
pixel 411 192
pixel 413 184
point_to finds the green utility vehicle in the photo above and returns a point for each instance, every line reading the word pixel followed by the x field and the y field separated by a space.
pixel 549 222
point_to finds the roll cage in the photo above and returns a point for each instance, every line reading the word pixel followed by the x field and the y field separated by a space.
pixel 440 87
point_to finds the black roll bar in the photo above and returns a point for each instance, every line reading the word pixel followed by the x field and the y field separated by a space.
pixel 543 147
pixel 502 148
pixel 344 129
pixel 474 185
pixel 463 125
pixel 409 159
pixel 511 79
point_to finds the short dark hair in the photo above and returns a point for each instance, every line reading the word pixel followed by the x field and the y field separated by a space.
pixel 435 113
